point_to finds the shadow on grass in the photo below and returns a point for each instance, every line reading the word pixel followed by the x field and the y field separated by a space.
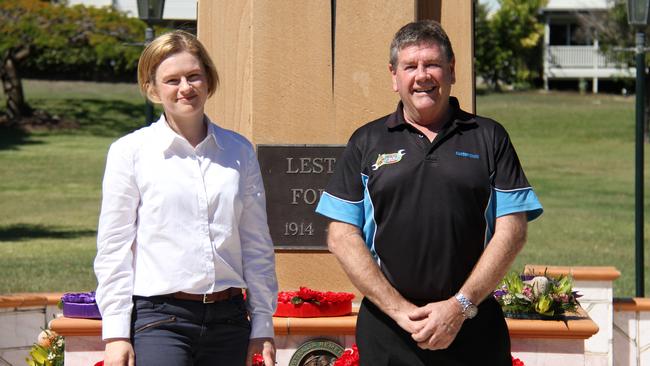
pixel 20 232
pixel 97 117
pixel 12 138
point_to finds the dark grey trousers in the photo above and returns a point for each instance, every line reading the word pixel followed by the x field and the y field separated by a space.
pixel 170 332
pixel 483 340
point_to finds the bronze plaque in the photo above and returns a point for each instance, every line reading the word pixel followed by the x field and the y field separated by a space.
pixel 294 178
pixel 317 352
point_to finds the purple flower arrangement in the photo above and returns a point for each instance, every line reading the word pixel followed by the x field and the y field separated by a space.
pixel 79 298
pixel 80 305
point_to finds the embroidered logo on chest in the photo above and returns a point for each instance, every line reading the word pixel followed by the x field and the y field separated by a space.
pixel 385 159
pixel 464 154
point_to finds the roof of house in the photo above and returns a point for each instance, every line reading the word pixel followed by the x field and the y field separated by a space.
pixel 174 9
pixel 576 5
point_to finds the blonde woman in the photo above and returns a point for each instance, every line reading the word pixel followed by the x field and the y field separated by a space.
pixel 183 229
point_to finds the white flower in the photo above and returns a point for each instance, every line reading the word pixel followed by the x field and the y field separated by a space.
pixel 539 285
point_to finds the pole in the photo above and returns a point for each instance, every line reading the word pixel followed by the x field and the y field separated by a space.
pixel 148 107
pixel 638 191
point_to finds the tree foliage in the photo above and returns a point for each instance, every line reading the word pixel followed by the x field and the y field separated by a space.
pixel 54 38
pixel 507 43
pixel 612 31
pixel 616 39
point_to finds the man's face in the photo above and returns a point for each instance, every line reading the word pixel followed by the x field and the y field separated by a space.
pixel 423 78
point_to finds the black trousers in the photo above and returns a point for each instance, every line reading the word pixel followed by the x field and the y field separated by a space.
pixel 171 332
pixel 483 340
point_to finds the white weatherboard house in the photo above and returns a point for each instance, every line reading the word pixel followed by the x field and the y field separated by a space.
pixel 174 9
pixel 569 56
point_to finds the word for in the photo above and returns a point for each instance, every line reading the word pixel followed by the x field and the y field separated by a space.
pixel 307 195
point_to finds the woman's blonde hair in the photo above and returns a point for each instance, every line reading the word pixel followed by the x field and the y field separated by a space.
pixel 169 44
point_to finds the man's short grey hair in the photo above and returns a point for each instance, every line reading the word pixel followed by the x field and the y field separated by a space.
pixel 420 32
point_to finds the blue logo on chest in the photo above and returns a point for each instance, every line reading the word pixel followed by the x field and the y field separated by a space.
pixel 463 154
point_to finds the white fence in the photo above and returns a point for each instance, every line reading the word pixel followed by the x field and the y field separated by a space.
pixel 578 57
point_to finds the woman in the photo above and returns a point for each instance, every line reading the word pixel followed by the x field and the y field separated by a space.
pixel 183 230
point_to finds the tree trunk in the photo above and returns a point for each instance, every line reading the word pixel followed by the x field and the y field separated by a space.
pixel 17 107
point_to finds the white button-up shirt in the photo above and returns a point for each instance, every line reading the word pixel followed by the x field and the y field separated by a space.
pixel 179 218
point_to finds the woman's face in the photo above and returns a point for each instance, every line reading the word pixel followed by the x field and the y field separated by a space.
pixel 181 86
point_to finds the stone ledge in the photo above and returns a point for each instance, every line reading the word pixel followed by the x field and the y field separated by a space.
pixel 578 327
pixel 76 326
pixel 335 325
pixel 577 272
pixel 632 304
pixel 30 299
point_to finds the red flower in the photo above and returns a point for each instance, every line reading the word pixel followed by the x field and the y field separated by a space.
pixel 100 363
pixel 306 294
pixel 350 357
pixel 258 360
pixel 517 362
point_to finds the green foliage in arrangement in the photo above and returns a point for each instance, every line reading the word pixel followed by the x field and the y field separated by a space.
pixel 48 351
pixel 543 296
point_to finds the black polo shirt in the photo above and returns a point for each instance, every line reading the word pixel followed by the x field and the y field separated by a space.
pixel 427 209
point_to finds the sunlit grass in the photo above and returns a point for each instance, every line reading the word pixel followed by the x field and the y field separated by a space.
pixel 577 151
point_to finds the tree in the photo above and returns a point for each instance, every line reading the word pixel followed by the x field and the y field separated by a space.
pixel 507 44
pixel 616 38
pixel 41 35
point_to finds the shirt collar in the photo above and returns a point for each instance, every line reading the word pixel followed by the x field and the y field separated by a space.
pixel 458 115
pixel 215 132
pixel 166 135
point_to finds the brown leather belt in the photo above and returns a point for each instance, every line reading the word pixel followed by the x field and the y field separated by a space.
pixel 208 298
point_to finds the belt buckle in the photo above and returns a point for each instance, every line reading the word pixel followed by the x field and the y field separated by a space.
pixel 205 299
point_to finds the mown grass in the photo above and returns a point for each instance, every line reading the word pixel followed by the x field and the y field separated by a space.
pixel 50 184
pixel 577 150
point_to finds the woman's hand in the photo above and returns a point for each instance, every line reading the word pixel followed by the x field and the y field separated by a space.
pixel 119 352
pixel 263 346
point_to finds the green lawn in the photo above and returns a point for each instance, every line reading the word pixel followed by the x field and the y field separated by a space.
pixel 578 153
pixel 577 150
pixel 50 184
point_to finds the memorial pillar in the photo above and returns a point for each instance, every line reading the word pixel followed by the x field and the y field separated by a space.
pixel 298 72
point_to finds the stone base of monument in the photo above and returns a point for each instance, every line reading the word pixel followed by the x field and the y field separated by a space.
pixel 614 333
pixel 536 342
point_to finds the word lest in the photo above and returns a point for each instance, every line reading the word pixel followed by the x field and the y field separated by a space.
pixel 310 165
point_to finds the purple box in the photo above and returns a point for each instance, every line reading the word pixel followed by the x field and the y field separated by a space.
pixel 74 310
pixel 80 305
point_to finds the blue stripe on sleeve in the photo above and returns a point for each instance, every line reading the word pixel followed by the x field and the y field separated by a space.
pixel 520 200
pixel 369 225
pixel 340 209
pixel 490 217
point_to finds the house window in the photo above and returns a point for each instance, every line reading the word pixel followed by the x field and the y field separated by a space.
pixel 569 34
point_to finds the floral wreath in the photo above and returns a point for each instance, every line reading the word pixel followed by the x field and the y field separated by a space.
pixel 529 296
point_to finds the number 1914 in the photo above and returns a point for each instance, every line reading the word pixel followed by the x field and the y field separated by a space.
pixel 298 229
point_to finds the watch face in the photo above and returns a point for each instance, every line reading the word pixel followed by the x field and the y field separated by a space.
pixel 471 311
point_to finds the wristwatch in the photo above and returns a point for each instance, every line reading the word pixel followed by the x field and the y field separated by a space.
pixel 469 310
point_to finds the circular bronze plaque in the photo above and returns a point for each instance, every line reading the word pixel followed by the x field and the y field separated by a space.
pixel 316 352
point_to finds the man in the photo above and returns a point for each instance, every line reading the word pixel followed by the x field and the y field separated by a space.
pixel 430 207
